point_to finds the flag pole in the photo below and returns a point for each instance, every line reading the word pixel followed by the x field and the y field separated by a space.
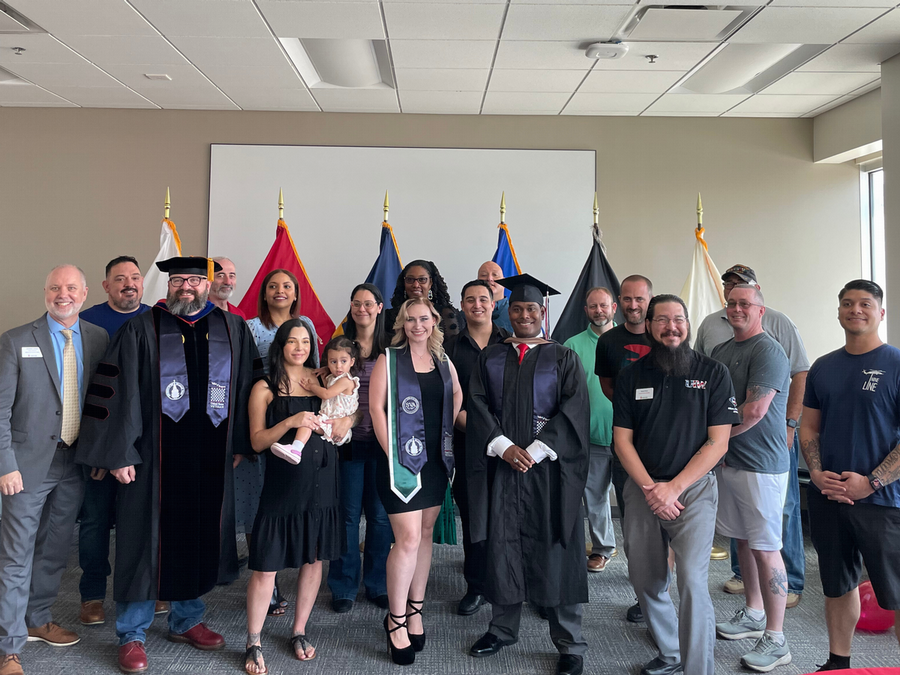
pixel 596 211
pixel 503 208
pixel 167 204
pixel 699 212
pixel 387 206
pixel 280 204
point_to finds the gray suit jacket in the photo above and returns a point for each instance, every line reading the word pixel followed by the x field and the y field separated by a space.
pixel 30 404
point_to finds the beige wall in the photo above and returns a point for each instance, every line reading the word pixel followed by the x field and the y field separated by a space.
pixel 849 131
pixel 86 185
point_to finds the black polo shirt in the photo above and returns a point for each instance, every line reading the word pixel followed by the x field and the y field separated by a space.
pixel 670 415
pixel 463 351
pixel 618 348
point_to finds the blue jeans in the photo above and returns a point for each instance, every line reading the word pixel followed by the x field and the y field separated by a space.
pixel 98 512
pixel 358 493
pixel 792 530
pixel 134 618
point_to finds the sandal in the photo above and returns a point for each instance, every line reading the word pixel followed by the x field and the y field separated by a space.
pixel 253 654
pixel 304 645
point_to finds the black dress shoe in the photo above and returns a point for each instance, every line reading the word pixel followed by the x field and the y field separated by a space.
pixel 659 667
pixel 341 605
pixel 470 603
pixel 569 664
pixel 635 614
pixel 488 645
pixel 379 600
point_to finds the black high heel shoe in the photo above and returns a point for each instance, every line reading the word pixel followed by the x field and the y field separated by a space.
pixel 416 640
pixel 402 657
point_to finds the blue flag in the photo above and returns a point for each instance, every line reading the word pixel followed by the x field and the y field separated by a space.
pixel 505 255
pixel 387 266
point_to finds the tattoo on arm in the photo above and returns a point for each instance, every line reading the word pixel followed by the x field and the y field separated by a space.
pixel 778 584
pixel 755 393
pixel 708 443
pixel 889 470
pixel 810 451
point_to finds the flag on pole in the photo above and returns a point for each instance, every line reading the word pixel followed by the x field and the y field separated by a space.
pixel 505 255
pixel 283 255
pixel 596 272
pixel 156 284
pixel 387 265
pixel 702 291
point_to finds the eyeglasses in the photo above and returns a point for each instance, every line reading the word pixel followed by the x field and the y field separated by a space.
pixel 368 304
pixel 743 304
pixel 178 282
pixel 411 280
pixel 664 320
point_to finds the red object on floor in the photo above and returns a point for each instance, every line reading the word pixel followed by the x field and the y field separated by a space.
pixel 871 616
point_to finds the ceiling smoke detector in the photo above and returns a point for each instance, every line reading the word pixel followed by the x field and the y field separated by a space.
pixel 606 50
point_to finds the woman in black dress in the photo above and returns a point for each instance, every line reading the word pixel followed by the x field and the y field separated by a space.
pixel 414 397
pixel 421 279
pixel 298 523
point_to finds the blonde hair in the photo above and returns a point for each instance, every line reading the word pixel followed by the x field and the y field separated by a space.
pixel 435 343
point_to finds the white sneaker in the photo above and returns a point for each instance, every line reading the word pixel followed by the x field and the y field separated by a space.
pixel 289 453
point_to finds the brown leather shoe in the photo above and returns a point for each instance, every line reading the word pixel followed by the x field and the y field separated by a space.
pixel 132 657
pixel 53 634
pixel 199 637
pixel 793 599
pixel 10 665
pixel 161 607
pixel 597 562
pixel 92 613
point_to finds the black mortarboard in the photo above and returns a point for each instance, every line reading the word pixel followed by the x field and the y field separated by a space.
pixel 525 288
pixel 204 267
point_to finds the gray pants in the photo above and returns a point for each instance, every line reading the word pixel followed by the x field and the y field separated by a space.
pixel 596 501
pixel 35 541
pixel 691 536
pixel 565 626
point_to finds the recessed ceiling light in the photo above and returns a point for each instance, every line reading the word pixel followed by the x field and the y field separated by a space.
pixel 345 64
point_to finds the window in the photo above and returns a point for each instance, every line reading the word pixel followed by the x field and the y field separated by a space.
pixel 872 212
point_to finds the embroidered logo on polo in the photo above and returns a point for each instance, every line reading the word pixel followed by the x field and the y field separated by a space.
pixel 217 394
pixel 414 447
pixel 732 405
pixel 872 382
pixel 695 384
pixel 174 390
pixel 410 405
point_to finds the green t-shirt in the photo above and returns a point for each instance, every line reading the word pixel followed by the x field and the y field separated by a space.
pixel 585 345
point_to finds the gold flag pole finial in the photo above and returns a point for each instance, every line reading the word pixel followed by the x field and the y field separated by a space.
pixel 503 208
pixel 167 205
pixel 699 212
pixel 387 206
pixel 596 210
pixel 280 204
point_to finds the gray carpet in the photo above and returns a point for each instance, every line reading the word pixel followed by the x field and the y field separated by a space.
pixel 354 643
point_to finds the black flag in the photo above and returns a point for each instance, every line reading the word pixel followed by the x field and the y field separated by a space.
pixel 596 272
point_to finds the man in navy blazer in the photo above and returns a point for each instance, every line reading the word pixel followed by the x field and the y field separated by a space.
pixel 41 487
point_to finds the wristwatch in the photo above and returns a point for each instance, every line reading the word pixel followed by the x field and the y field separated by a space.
pixel 792 424
pixel 874 482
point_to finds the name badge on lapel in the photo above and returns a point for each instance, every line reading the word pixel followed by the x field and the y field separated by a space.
pixel 643 394
pixel 32 353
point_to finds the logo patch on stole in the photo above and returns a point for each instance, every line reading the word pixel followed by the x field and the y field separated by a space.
pixel 217 395
pixel 414 447
pixel 410 405
pixel 174 390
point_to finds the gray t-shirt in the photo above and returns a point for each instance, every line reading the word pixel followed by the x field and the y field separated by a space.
pixel 715 330
pixel 759 361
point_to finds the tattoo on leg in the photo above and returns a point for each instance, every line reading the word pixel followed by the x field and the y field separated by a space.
pixel 252 639
pixel 778 584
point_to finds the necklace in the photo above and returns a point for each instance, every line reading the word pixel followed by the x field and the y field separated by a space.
pixel 425 360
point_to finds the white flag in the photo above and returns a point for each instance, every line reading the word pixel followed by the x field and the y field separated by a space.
pixel 702 291
pixel 155 282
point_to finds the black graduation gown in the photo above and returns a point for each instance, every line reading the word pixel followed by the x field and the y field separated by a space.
pixel 532 522
pixel 175 536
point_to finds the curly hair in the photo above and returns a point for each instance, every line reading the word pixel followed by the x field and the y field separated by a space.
pixel 435 340
pixel 342 343
pixel 441 296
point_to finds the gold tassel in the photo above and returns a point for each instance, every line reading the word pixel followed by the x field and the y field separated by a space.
pixel 210 269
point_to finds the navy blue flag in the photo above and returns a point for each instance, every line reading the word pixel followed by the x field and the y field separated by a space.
pixel 505 255
pixel 387 266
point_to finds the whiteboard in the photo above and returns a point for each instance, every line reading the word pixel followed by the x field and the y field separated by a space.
pixel 444 207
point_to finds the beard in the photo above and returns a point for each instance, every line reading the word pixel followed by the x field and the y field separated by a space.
pixel 124 304
pixel 671 360
pixel 223 292
pixel 602 321
pixel 185 306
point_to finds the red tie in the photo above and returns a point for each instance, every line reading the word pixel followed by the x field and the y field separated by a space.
pixel 523 348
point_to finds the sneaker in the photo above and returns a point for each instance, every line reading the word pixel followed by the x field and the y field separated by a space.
pixel 741 626
pixel 734 586
pixel 597 562
pixel 793 599
pixel 766 655
pixel 53 634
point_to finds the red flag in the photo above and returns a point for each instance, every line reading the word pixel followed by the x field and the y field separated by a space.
pixel 283 255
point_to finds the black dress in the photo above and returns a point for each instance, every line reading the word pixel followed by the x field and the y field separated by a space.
pixel 299 519
pixel 434 476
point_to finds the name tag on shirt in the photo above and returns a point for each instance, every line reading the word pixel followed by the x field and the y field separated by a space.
pixel 32 353
pixel 643 394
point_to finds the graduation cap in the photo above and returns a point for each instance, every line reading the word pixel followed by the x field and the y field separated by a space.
pixel 525 288
pixel 203 267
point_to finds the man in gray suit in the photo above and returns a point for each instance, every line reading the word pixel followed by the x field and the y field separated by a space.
pixel 45 367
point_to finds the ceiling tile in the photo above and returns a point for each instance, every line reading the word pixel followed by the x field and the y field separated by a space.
pixel 536 80
pixel 449 102
pixel 697 103
pixel 254 76
pixel 835 84
pixel 499 102
pixel 212 51
pixel 103 97
pixel 458 2
pixel 337 20
pixel 185 96
pixel 38 49
pixel 58 74
pixel 832 3
pixel 438 21
pixel 592 23
pixel 135 76
pixel 782 104
pixel 267 98
pixel 441 79
pixel 671 113
pixel 84 17
pixel 598 2
pixel 108 50
pixel 442 53
pixel 28 95
pixel 884 30
pixel 804 25
pixel 761 115
pixel 532 55
pixel 857 58
pixel 203 18
pixel 587 104
pixel 356 100
pixel 669 56
pixel 630 82
pixel 828 106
